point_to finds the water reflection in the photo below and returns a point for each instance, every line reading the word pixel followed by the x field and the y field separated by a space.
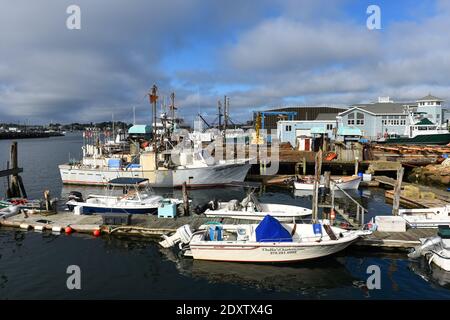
pixel 327 273
pixel 430 272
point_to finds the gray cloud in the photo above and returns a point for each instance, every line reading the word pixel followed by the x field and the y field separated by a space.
pixel 261 54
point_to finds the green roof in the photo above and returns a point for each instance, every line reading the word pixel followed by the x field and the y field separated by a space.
pixel 349 131
pixel 140 129
pixel 424 122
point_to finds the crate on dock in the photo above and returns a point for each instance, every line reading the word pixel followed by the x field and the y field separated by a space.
pixel 390 224
pixel 117 219
pixel 167 210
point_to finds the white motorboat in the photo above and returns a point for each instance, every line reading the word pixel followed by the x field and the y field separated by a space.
pixel 342 183
pixel 9 211
pixel 426 218
pixel 435 249
pixel 251 209
pixel 268 241
pixel 132 201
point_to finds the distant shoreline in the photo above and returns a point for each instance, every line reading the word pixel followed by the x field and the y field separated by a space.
pixel 28 135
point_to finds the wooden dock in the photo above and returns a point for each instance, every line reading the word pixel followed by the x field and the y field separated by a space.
pixel 441 197
pixel 152 226
pixel 405 240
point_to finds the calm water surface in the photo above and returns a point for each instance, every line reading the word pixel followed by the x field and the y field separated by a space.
pixel 33 265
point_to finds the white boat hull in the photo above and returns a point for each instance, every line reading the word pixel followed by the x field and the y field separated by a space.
pixel 281 212
pixel 267 252
pixel 195 177
pixel 351 184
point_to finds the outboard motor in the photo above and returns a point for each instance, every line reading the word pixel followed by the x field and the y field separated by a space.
pixel 183 235
pixel 428 245
pixel 76 196
pixel 213 204
pixel 201 208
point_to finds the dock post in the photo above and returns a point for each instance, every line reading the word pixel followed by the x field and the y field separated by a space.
pixel 318 169
pixel 304 166
pixel 397 191
pixel 15 186
pixel 356 165
pixel 185 199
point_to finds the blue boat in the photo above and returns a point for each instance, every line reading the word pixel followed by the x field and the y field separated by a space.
pixel 132 200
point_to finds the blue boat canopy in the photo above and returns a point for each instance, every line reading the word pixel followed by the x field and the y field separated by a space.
pixel 271 230
pixel 127 181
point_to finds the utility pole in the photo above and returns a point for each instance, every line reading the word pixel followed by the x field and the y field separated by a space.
pixel 225 112
pixel 172 109
pixel 219 108
pixel 153 98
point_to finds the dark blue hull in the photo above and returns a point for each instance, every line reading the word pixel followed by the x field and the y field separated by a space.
pixel 97 210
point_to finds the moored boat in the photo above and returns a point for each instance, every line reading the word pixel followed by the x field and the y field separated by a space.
pixel 252 209
pixel 268 241
pixel 132 201
pixel 426 217
pixel 341 183
pixel 435 249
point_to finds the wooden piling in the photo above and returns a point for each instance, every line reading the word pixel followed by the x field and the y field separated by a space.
pixel 185 199
pixel 318 169
pixel 397 191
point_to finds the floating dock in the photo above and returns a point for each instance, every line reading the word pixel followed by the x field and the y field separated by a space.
pixel 152 226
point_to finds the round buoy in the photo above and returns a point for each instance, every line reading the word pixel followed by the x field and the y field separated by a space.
pixel 332 214
pixel 68 230
pixel 96 233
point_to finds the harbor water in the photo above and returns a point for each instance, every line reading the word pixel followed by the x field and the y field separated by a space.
pixel 33 265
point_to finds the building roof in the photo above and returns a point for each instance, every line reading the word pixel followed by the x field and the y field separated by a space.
pixel 349 131
pixel 429 97
pixel 327 116
pixel 424 122
pixel 382 108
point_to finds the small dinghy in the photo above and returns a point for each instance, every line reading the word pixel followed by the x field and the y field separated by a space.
pixel 426 218
pixel 268 241
pixel 251 209
pixel 133 201
pixel 342 183
pixel 9 211
pixel 435 249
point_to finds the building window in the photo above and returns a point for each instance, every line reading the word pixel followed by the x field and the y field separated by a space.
pixel 360 119
pixel 351 119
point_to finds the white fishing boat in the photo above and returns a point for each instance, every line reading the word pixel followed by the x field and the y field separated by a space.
pixel 166 169
pixel 426 218
pixel 251 209
pixel 435 249
pixel 133 201
pixel 268 241
pixel 341 183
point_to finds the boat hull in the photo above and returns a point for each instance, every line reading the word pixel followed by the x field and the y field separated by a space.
pixel 267 252
pixel 352 184
pixel 194 177
pixel 438 139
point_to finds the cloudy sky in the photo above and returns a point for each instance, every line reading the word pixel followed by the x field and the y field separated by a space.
pixel 260 53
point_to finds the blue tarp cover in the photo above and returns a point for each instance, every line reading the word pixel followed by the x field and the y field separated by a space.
pixel 271 230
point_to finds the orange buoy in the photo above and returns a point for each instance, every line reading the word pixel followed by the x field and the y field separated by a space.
pixel 68 230
pixel 96 233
